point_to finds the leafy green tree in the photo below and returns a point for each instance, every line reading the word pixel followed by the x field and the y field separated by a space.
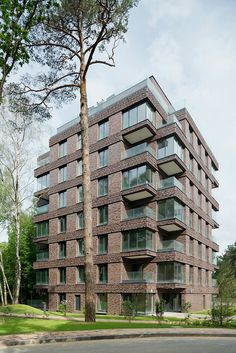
pixel 72 39
pixel 17 18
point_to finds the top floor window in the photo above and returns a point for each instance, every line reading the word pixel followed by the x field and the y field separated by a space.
pixel 62 149
pixel 137 114
pixel 103 129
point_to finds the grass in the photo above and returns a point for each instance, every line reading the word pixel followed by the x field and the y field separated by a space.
pixel 13 325
pixel 20 309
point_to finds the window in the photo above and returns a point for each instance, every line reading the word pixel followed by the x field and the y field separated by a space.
pixel 199 147
pixel 61 297
pixel 199 251
pixel 62 174
pixel 103 186
pixel 199 196
pixel 137 239
pixel 80 247
pixel 102 244
pixel 62 250
pixel 77 303
pixel 206 278
pixel 80 220
pixel 207 230
pixel 137 176
pixel 199 223
pixel 81 274
pixel 199 276
pixel 79 142
pixel 62 199
pixel 62 275
pixel 62 148
pixel 190 135
pixel 191 246
pixel 42 229
pixel 190 274
pixel 191 163
pixel 137 114
pixel 80 193
pixel 191 191
pixel 43 182
pixel 79 167
pixel 199 173
pixel 206 253
pixel 41 276
pixel 102 302
pixel 191 219
pixel 103 157
pixel 103 215
pixel 102 270
pixel 62 224
pixel 103 129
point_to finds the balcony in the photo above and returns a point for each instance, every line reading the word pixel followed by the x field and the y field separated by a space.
pixel 138 277
pixel 42 209
pixel 139 212
pixel 42 277
pixel 44 161
pixel 171 119
pixel 170 273
pixel 138 149
pixel 42 256
pixel 171 245
pixel 170 215
pixel 139 242
pixel 171 182
pixel 214 282
pixel 171 156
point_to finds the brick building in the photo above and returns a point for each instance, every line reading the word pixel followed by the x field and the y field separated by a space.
pixel 153 211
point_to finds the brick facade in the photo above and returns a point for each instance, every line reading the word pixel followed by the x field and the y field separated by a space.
pixel 181 240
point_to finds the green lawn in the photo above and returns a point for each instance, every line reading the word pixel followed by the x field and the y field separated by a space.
pixel 20 309
pixel 13 325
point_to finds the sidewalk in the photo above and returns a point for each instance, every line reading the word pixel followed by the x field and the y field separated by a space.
pixel 53 337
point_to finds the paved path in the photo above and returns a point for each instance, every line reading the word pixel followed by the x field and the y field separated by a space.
pixel 113 334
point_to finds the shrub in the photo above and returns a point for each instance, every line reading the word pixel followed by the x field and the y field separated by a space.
pixel 160 309
pixel 128 310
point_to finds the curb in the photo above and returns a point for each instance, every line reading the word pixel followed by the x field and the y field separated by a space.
pixel 76 338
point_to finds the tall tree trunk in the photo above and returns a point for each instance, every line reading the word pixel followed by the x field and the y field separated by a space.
pixel 90 312
pixel 5 282
pixel 16 290
pixel 1 295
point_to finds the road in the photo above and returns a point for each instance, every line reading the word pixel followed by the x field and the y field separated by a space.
pixel 141 345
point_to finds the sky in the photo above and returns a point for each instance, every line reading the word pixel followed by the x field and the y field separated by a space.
pixel 190 48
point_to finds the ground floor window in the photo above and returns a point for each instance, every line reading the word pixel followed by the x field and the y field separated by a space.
pixel 77 303
pixel 144 302
pixel 172 301
pixel 102 302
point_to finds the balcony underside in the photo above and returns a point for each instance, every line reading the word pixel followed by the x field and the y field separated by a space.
pixel 139 132
pixel 171 165
pixel 139 192
pixel 138 254
pixel 171 225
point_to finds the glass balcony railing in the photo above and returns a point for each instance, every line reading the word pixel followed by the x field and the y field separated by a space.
pixel 138 276
pixel 139 212
pixel 172 119
pixel 42 162
pixel 170 182
pixel 138 149
pixel 171 280
pixel 170 209
pixel 214 282
pixel 170 272
pixel 169 146
pixel 171 245
pixel 42 256
pixel 42 209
